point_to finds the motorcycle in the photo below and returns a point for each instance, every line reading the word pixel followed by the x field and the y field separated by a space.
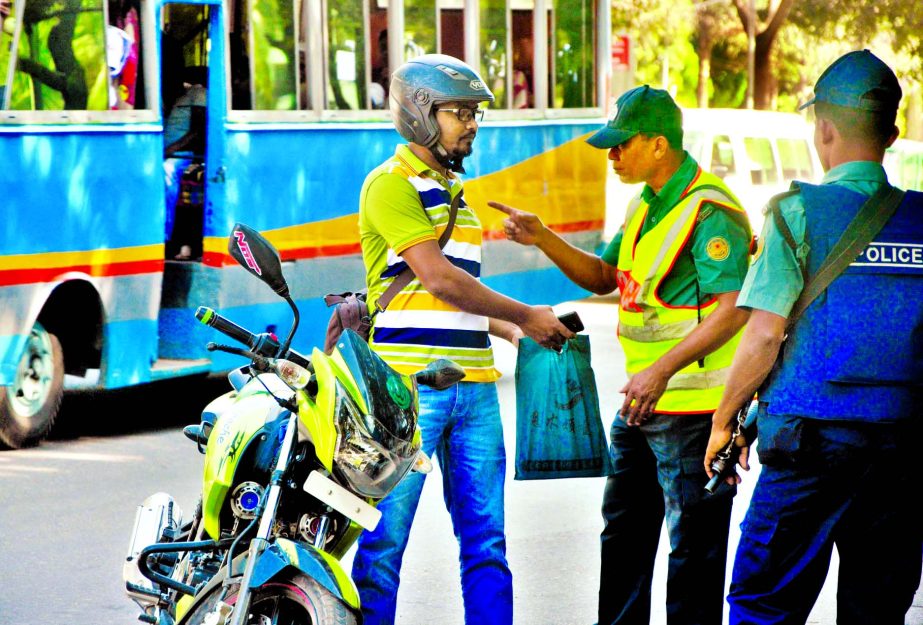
pixel 297 456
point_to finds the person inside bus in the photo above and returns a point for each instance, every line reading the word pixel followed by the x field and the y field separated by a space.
pixel 522 71
pixel 123 36
pixel 381 73
pixel 184 141
pixel 404 205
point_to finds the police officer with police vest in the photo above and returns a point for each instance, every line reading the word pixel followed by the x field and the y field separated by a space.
pixel 678 263
pixel 839 417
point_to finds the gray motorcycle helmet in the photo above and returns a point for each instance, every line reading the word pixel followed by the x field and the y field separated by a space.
pixel 421 83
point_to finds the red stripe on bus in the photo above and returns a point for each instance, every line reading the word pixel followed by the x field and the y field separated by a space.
pixel 321 250
pixel 218 259
pixel 12 277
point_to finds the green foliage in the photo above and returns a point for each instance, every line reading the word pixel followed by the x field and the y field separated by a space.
pixel 419 27
pixel 815 33
pixel 729 72
pixel 660 33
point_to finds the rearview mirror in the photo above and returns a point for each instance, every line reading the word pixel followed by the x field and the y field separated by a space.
pixel 257 255
pixel 440 374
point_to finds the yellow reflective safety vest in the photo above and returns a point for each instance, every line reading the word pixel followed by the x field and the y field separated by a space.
pixel 648 327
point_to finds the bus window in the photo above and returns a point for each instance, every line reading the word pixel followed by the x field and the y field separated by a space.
pixel 493 49
pixel 572 65
pixel 381 70
pixel 7 28
pixel 273 65
pixel 419 28
pixel 452 28
pixel 123 54
pixel 523 46
pixel 346 55
pixel 60 59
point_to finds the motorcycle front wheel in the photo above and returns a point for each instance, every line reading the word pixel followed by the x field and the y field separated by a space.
pixel 291 599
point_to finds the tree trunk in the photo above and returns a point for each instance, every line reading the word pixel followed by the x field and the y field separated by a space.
pixel 701 90
pixel 706 43
pixel 764 86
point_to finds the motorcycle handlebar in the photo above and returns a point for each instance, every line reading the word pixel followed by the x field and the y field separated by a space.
pixel 264 345
pixel 210 318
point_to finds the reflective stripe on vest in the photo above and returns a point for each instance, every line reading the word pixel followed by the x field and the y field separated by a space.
pixel 648 327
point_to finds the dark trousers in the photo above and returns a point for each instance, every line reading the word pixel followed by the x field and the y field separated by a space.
pixel 826 483
pixel 659 474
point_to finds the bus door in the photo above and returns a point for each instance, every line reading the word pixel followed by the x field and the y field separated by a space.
pixel 193 107
pixel 192 121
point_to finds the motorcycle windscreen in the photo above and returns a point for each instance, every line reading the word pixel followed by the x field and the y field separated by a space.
pixel 375 450
pixel 392 410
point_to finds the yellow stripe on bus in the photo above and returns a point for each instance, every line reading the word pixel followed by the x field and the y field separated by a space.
pixel 51 260
pixel 574 195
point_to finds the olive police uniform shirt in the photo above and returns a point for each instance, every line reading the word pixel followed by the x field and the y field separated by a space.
pixel 716 225
pixel 774 281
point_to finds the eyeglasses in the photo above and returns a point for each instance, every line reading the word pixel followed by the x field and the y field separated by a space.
pixel 465 115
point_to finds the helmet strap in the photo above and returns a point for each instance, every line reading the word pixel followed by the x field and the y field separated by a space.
pixel 447 161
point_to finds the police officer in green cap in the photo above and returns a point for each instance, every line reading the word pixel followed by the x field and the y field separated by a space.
pixel 839 411
pixel 678 262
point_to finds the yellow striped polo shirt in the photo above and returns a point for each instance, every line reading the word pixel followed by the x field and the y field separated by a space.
pixel 403 202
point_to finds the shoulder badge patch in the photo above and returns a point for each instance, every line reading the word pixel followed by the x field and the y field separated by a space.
pixel 717 248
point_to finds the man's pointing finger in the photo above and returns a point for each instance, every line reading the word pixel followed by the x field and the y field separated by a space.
pixel 503 208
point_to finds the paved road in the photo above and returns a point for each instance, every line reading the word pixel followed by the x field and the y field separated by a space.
pixel 66 509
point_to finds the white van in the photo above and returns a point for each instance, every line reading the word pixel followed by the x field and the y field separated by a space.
pixel 757 153
pixel 904 164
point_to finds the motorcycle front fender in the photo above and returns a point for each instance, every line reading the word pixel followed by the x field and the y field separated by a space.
pixel 313 562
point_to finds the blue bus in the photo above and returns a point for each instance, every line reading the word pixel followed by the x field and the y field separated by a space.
pixel 135 134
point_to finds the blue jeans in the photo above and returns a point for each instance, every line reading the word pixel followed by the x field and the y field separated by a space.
pixel 824 483
pixel 659 473
pixel 462 426
pixel 173 169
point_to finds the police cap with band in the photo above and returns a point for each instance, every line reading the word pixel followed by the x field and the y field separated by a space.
pixel 642 109
pixel 858 80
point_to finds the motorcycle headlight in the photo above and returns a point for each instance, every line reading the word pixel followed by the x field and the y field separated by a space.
pixel 368 458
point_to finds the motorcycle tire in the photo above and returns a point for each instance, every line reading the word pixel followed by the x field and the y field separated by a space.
pixel 29 406
pixel 293 599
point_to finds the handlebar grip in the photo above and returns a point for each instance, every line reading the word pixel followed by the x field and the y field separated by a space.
pixel 210 318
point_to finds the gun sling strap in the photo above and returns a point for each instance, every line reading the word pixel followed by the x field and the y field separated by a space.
pixel 868 222
pixel 403 278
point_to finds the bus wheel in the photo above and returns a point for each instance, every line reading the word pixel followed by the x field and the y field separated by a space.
pixel 28 406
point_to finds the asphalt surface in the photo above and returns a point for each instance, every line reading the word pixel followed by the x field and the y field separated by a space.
pixel 67 508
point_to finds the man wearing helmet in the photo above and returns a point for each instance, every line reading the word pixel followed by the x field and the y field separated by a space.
pixel 445 312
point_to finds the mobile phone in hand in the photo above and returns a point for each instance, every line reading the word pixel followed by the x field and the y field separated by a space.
pixel 571 321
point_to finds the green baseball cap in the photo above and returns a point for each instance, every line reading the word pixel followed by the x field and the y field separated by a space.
pixel 858 80
pixel 641 109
